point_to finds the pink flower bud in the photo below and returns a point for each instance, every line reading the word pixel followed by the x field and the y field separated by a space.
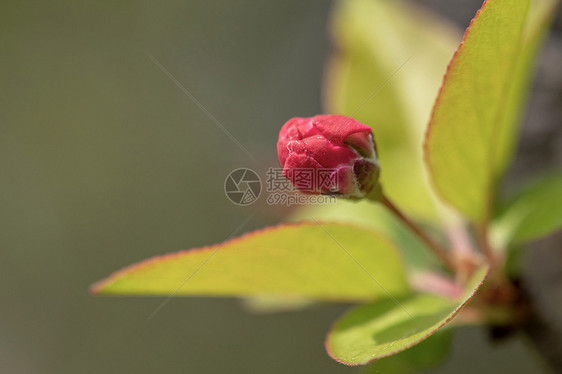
pixel 339 150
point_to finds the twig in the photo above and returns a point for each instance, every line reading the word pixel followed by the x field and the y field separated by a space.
pixel 436 248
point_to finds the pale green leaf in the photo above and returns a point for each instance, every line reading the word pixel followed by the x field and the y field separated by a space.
pixel 272 304
pixel 317 261
pixel 536 26
pixel 388 61
pixel 471 136
pixel 377 217
pixel 387 327
pixel 425 355
pixel 535 210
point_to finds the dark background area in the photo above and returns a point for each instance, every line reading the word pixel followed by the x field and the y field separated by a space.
pixel 105 161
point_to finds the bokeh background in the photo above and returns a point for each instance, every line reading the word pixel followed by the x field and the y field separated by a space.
pixel 105 161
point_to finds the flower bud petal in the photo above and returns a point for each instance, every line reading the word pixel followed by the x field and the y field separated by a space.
pixel 338 146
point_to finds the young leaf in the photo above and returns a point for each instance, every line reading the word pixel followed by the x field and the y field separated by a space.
pixel 385 71
pixel 386 327
pixel 425 355
pixel 532 212
pixel 378 218
pixel 471 134
pixel 266 305
pixel 318 261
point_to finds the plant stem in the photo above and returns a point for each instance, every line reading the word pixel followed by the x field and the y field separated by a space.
pixel 497 277
pixel 481 233
pixel 437 248
pixel 461 244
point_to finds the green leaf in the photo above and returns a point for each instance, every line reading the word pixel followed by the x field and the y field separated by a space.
pixel 425 355
pixel 318 261
pixel 388 62
pixel 471 135
pixel 272 304
pixel 376 217
pixel 535 210
pixel 387 327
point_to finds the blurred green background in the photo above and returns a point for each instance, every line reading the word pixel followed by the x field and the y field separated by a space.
pixel 104 161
